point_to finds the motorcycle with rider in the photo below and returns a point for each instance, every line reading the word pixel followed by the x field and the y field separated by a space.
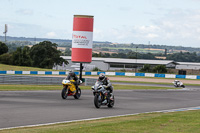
pixel 178 83
pixel 70 86
pixel 103 92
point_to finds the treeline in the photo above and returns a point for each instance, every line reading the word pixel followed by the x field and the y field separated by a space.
pixel 142 46
pixel 22 41
pixel 129 55
pixel 179 57
pixel 184 57
pixel 43 55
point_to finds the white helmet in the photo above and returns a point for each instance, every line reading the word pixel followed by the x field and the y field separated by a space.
pixel 101 76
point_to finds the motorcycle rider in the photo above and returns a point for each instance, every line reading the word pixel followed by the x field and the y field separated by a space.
pixel 177 82
pixel 72 76
pixel 107 84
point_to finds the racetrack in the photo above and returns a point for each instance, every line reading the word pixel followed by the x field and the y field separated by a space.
pixel 20 108
pixel 189 87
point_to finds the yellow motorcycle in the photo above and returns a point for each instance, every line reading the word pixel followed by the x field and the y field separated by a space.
pixel 69 89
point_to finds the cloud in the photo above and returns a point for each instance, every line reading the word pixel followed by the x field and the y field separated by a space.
pixel 25 30
pixel 125 8
pixel 177 27
pixel 25 12
pixel 150 35
pixel 51 35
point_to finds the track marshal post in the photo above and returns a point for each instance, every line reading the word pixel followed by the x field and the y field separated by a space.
pixel 82 40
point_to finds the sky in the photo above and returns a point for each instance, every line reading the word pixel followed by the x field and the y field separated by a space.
pixel 163 22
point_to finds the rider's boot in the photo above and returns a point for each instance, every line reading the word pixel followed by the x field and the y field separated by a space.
pixel 111 96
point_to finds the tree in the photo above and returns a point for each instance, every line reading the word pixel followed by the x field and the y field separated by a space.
pixel 67 52
pixel 45 54
pixel 160 69
pixel 184 57
pixel 6 58
pixel 146 68
pixel 3 48
pixel 131 55
pixel 21 56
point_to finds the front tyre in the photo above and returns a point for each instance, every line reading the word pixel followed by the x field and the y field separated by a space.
pixel 64 93
pixel 183 86
pixel 78 93
pixel 97 101
pixel 112 102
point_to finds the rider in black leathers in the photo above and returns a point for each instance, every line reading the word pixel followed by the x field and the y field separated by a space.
pixel 107 84
pixel 72 76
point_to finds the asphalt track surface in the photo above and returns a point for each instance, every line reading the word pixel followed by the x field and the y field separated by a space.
pixel 21 108
pixel 190 87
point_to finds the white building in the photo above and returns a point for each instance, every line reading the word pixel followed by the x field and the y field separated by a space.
pixel 188 65
pixel 107 64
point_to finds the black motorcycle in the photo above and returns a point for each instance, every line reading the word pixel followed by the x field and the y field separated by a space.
pixel 101 96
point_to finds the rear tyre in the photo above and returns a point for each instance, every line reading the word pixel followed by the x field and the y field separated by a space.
pixel 78 93
pixel 112 102
pixel 97 101
pixel 64 93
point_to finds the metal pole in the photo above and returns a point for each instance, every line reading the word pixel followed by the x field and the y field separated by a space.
pixel 136 59
pixel 81 67
pixel 5 37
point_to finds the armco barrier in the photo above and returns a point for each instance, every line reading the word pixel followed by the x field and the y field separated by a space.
pixel 38 80
pixel 107 73
pixel 35 80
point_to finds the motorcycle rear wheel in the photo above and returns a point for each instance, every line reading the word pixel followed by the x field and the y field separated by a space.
pixel 64 93
pixel 78 93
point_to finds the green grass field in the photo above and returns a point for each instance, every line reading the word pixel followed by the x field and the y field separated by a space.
pixel 59 87
pixel 4 67
pixel 176 122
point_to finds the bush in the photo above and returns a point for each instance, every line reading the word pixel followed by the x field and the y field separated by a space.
pixel 146 68
pixel 3 48
pixel 123 70
pixel 160 69
pixel 96 69
pixel 6 59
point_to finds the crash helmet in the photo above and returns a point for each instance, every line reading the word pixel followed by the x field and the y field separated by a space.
pixel 101 76
pixel 71 73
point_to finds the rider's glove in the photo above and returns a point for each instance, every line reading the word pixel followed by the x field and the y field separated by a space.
pixel 105 86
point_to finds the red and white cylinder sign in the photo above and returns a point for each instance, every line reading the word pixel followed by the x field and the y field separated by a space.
pixel 82 39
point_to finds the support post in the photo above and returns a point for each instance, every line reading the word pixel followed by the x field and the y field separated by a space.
pixel 4 37
pixel 81 68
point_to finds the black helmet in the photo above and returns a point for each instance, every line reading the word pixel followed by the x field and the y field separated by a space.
pixel 101 76
pixel 71 73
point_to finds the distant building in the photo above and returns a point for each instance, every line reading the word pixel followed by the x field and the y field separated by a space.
pixel 112 64
pixel 188 65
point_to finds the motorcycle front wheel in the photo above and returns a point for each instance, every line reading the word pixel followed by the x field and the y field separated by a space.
pixel 97 101
pixel 78 93
pixel 112 102
pixel 64 93
pixel 183 86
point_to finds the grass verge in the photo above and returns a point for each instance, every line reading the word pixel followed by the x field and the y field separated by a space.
pixel 4 67
pixel 59 87
pixel 184 122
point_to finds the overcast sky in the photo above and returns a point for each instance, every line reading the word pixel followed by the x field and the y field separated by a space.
pixel 164 22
